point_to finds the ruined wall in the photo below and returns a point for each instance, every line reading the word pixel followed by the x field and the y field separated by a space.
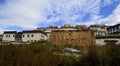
pixel 72 37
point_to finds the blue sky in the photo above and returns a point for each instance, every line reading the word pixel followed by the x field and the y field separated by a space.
pixel 30 14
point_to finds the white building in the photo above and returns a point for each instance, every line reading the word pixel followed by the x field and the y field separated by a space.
pixel 24 36
pixel 48 30
pixel 9 36
pixel 100 30
pixel 64 27
pixel 115 29
pixel 102 40
pixel 33 36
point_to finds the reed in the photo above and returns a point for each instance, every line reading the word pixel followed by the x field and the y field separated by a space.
pixel 38 54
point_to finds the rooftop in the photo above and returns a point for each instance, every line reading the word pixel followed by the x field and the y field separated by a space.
pixel 10 32
pixel 114 26
pixel 34 31
pixel 97 25
pixel 26 31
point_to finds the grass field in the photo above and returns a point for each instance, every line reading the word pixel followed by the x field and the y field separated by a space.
pixel 38 54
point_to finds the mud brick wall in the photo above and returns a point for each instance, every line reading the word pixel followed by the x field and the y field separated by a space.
pixel 72 37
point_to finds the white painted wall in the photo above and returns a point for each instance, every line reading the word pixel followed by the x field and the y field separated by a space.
pixel 48 33
pixel 101 41
pixel 36 37
pixel 8 37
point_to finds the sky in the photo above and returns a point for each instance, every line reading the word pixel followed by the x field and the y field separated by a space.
pixel 30 14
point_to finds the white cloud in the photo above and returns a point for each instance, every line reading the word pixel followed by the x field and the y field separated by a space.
pixel 113 18
pixel 1 30
pixel 29 13
pixel 108 2
pixel 24 13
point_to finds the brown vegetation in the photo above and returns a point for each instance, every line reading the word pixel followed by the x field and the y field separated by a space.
pixel 39 54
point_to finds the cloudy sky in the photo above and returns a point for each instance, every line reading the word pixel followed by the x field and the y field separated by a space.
pixel 30 14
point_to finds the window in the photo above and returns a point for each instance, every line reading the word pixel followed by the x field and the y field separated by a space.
pixel 6 35
pixel 9 35
pixel 23 35
pixel 32 35
pixel 13 35
pixel 27 35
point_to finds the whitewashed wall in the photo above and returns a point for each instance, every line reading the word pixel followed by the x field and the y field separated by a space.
pixel 36 37
pixel 8 39
pixel 101 41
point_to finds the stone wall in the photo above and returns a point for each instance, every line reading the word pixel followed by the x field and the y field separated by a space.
pixel 72 37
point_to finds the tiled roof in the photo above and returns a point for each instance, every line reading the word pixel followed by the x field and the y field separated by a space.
pixel 10 32
pixel 34 31
pixel 97 25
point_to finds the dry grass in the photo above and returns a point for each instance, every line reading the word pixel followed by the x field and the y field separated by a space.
pixel 42 55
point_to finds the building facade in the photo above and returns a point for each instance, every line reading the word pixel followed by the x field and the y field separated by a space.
pixel 80 26
pixel 9 36
pixel 24 36
pixel 48 30
pixel 69 27
pixel 100 30
pixel 18 37
pixel 64 27
pixel 115 29
pixel 105 39
pixel 72 37
pixel 33 36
